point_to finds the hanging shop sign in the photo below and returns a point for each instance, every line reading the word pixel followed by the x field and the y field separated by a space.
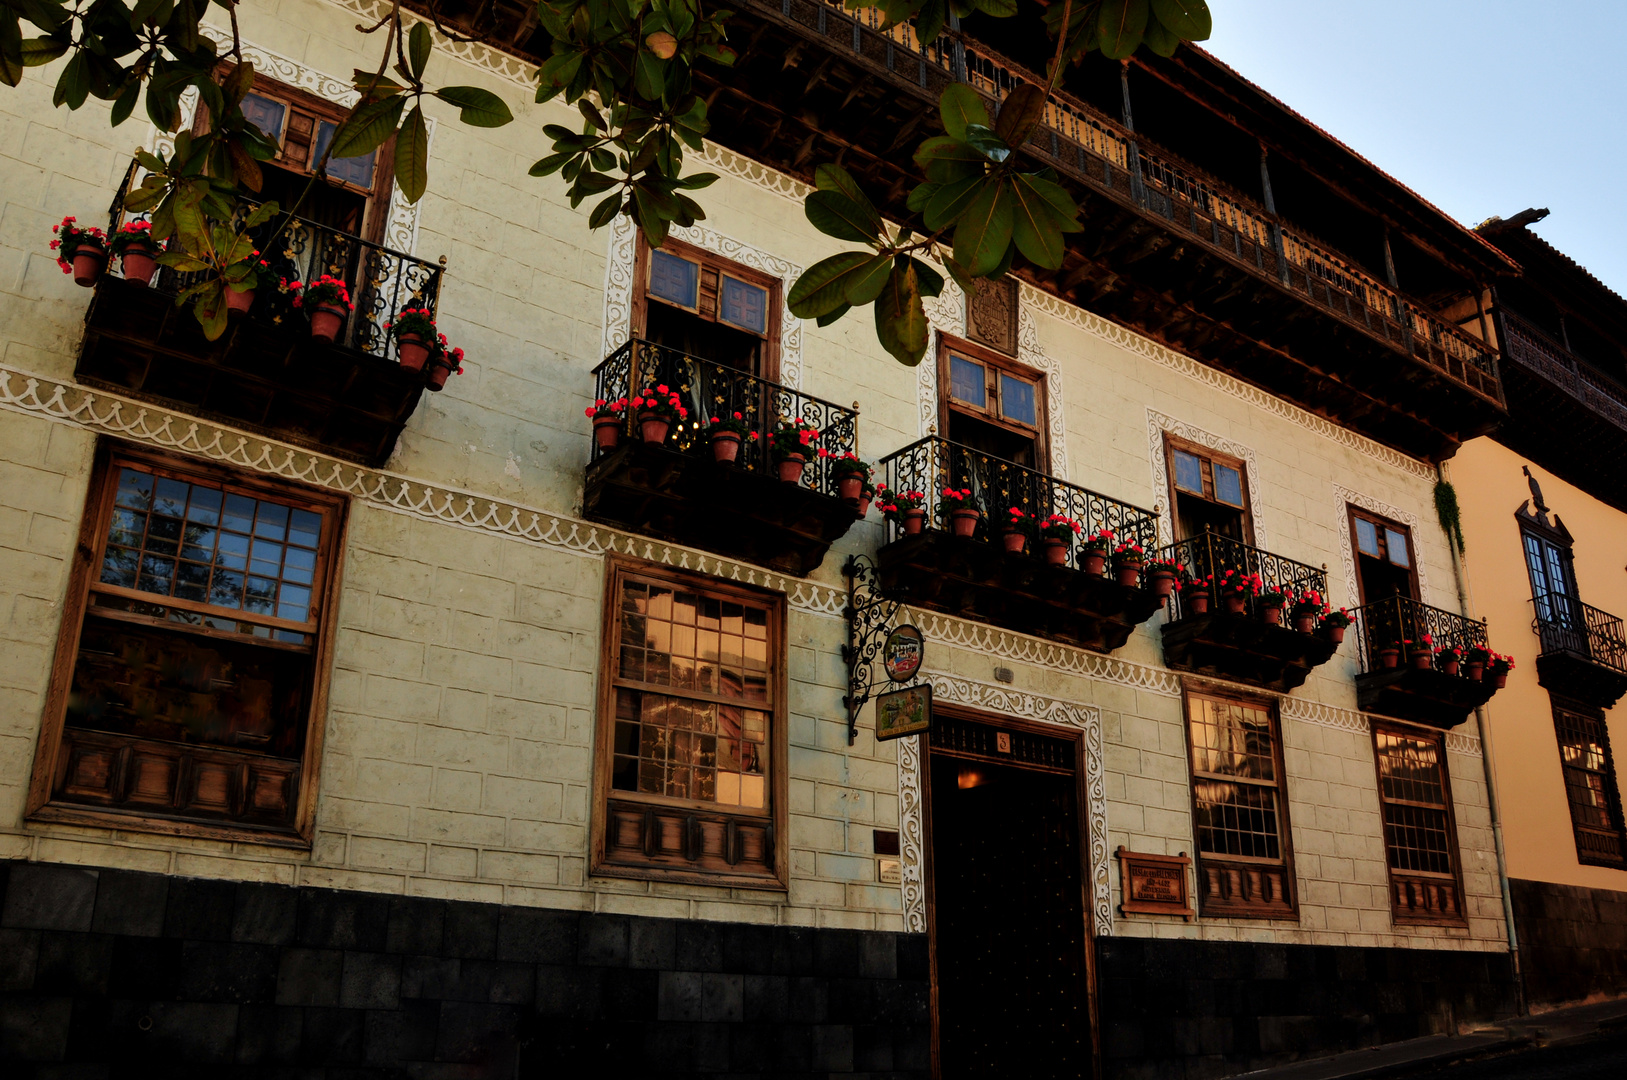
pixel 903 712
pixel 901 656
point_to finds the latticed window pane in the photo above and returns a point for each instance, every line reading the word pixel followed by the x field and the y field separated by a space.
pixel 1413 788
pixel 966 381
pixel 1233 740
pixel 743 305
pixel 1590 785
pixel 1188 472
pixel 1228 485
pixel 674 279
pixel 1236 819
pixel 1234 781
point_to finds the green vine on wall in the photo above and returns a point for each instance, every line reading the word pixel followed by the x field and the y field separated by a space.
pixel 1446 509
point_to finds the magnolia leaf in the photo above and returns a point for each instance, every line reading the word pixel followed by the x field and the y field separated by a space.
pixel 418 45
pixel 841 217
pixel 41 50
pixel 180 260
pixel 1160 39
pixel 11 57
pixel 367 128
pixel 865 285
pixel 921 195
pixel 949 201
pixel 823 286
pixel 479 108
pixel 695 181
pixel 551 163
pixel 929 21
pixel 900 319
pixel 262 214
pixel 125 103
pixel 1064 211
pixel 1188 20
pixel 929 280
pixel 832 315
pixel 211 310
pixel 558 71
pixel 412 154
pixel 247 169
pixel 987 143
pixel 1001 9
pixel 1020 113
pixel 833 177
pixel 1033 228
pixel 73 85
pixel 947 160
pixel 144 198
pixel 983 232
pixel 961 106
pixel 605 212
pixel 1120 24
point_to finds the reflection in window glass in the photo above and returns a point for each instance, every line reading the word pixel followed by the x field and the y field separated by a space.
pixel 673 279
pixel 1234 779
pixel 966 381
pixel 1188 472
pixel 1366 537
pixel 1414 794
pixel 265 114
pixel 1228 484
pixel 1017 400
pixel 352 170
pixel 1396 543
pixel 743 305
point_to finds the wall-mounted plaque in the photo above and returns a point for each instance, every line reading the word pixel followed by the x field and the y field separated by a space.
pixel 889 871
pixel 902 653
pixel 1154 884
pixel 903 712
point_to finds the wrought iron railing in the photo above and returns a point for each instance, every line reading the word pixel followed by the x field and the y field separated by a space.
pixel 1527 345
pixel 1211 555
pixel 997 485
pixel 1566 625
pixel 382 282
pixel 712 389
pixel 1092 147
pixel 1399 619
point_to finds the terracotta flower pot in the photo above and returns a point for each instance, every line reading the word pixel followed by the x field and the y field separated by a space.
pixel 1014 541
pixel 862 507
pixel 1093 562
pixel 326 322
pixel 238 303
pixel 1500 680
pixel 653 427
pixel 913 520
pixel 439 371
pixel 1163 583
pixel 849 487
pixel 791 466
pixel 1236 602
pixel 1272 615
pixel 1305 624
pixel 726 447
pixel 411 351
pixel 1056 551
pixel 1450 664
pixel 963 522
pixel 139 263
pixel 1128 573
pixel 1422 659
pixel 1336 634
pixel 606 432
pixel 1474 670
pixel 89 261
pixel 1196 602
pixel 1389 658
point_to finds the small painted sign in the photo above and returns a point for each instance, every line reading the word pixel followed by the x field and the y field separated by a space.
pixel 903 712
pixel 902 653
pixel 889 871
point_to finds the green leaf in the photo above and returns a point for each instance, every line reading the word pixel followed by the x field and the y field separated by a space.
pixel 1000 9
pixel 480 108
pixel 412 154
pixel 1033 228
pixel 1188 20
pixel 966 282
pixel 931 282
pixel 696 181
pixel 921 195
pixel 125 103
pixel 841 217
pixel 211 311
pixel 865 285
pixel 180 260
pixel 649 218
pixel 649 75
pixel 947 160
pixel 1160 39
pixel 823 286
pixel 558 71
pixel 900 319
pixel 832 315
pixel 262 214
pixel 960 106
pixel 1020 114
pixel 605 212
pixel 987 143
pixel 73 85
pixel 552 163
pixel 238 83
pixel 42 50
pixel 11 56
pixel 832 177
pixel 950 201
pixel 367 128
pixel 1119 26
pixel 418 44
pixel 984 230
pixel 1063 209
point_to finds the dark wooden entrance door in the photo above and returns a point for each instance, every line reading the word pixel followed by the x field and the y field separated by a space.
pixel 1006 904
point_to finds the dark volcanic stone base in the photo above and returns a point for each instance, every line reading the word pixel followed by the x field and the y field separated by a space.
pixel 1573 940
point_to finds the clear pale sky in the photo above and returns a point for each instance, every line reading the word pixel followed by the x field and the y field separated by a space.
pixel 1483 107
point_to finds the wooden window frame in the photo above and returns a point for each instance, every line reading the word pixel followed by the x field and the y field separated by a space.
pixel 769 366
pixel 1352 512
pixel 86 563
pixel 1401 879
pixel 1612 779
pixel 1173 443
pixel 997 361
pixel 777 815
pixel 1202 861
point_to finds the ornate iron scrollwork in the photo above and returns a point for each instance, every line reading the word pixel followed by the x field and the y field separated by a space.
pixel 869 615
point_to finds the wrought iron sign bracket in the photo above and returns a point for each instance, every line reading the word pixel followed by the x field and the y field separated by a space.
pixel 869 614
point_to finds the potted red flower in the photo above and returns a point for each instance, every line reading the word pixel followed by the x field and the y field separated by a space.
pixel 414 332
pixel 1308 608
pixel 1448 658
pixel 444 362
pixel 957 507
pixel 1499 667
pixel 793 442
pixel 1161 576
pixel 1195 596
pixel 657 408
pixel 1093 551
pixel 1474 664
pixel 907 508
pixel 1334 623
pixel 1058 532
pixel 726 432
pixel 80 252
pixel 1270 606
pixel 1017 530
pixel 327 301
pixel 1128 559
pixel 607 421
pixel 1389 656
pixel 137 252
pixel 1235 587
pixel 852 475
pixel 1421 652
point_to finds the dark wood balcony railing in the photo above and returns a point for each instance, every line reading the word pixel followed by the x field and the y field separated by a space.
pixel 350 398
pixel 1244 645
pixel 1429 695
pixel 1584 650
pixel 978 578
pixel 676 489
pixel 1528 346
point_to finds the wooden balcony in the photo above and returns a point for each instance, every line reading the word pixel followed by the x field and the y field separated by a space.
pixel 1242 646
pixel 267 374
pixel 678 491
pixel 1428 695
pixel 1584 650
pixel 975 577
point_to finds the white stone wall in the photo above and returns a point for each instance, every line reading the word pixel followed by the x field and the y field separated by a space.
pixel 458 745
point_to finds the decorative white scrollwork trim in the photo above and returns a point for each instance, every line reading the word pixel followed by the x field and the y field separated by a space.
pixel 619 272
pixel 110 414
pixel 1343 498
pixel 1330 716
pixel 1157 425
pixel 1016 703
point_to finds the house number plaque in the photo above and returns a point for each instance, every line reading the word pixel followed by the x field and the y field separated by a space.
pixel 1154 884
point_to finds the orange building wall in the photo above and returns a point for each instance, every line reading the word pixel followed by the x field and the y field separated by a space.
pixel 1530 788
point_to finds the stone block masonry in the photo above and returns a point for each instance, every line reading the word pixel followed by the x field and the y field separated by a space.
pixel 105 971
pixel 1573 941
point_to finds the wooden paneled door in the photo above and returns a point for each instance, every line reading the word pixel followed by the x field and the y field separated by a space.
pixel 1007 918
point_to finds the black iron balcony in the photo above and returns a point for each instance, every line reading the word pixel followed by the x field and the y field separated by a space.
pixel 1584 650
pixel 267 373
pixel 679 490
pixel 1420 662
pixel 977 577
pixel 1231 635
